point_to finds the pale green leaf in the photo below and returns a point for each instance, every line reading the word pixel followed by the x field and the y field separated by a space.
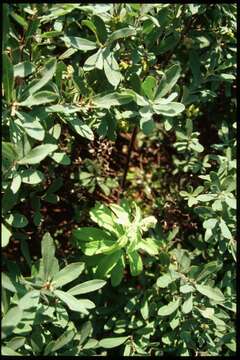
pixel 11 320
pixel 120 34
pixel 118 272
pixel 111 68
pixel 112 99
pixel 79 43
pixel 171 109
pixel 48 254
pixel 187 305
pixel 61 158
pixel 31 176
pixel 167 310
pixel 37 154
pixel 107 263
pixel 68 274
pixel 47 74
pixel 135 262
pixel 71 302
pixel 212 293
pixel 23 69
pixel 42 97
pixel 87 286
pixel 109 343
pixel 94 61
pixel 225 230
pixel 6 234
pixel 7 74
pixel 168 80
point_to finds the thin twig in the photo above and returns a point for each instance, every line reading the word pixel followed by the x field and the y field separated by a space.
pixel 133 137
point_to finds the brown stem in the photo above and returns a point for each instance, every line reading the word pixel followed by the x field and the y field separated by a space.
pixel 133 137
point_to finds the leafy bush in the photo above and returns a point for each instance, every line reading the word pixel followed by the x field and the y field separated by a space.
pixel 119 179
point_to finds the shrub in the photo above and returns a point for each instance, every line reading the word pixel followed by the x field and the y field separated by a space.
pixel 119 179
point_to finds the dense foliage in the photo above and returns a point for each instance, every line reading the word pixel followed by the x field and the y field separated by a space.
pixel 119 179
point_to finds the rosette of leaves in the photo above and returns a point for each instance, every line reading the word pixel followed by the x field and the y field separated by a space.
pixel 151 98
pixel 91 176
pixel 187 139
pixel 119 240
pixel 104 58
pixel 31 302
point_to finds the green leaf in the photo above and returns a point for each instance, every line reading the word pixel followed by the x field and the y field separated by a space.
pixel 135 262
pixel 225 230
pixel 11 320
pixel 31 176
pixel 17 220
pixel 31 125
pixel 89 233
pixel 166 279
pixel 112 99
pixel 111 68
pixel 23 69
pixel 73 303
pixel 208 269
pixel 80 127
pixel 61 158
pixel 94 61
pixel 196 146
pixel 6 234
pixel 121 34
pixel 107 263
pixel 7 351
pixel 87 286
pixel 105 218
pixel 63 340
pixel 37 154
pixel 47 74
pixel 148 87
pixel 187 305
pixel 206 197
pixel 147 125
pixel 118 272
pixel 66 109
pixel 123 215
pixel 79 43
pixel 16 343
pixel 232 203
pixel 210 223
pixel 19 19
pixel 8 79
pixel 68 274
pixel 100 28
pixel 42 97
pixel 48 254
pixel 149 246
pixel 90 25
pixel 212 293
pixel 9 155
pixel 98 247
pixel 85 331
pixel 185 289
pixel 7 283
pixel 171 109
pixel 168 80
pixel 29 300
pixel 109 343
pixel 167 310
